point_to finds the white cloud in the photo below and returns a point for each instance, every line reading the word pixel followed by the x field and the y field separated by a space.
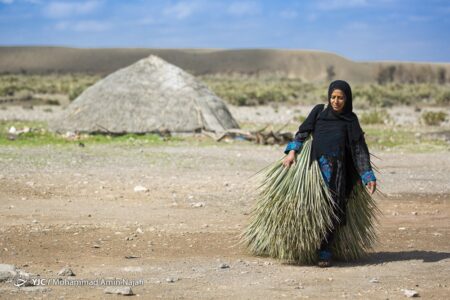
pixel 181 10
pixel 67 9
pixel 6 1
pixel 244 8
pixel 83 26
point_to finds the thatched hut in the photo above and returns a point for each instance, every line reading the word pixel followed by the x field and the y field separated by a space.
pixel 150 95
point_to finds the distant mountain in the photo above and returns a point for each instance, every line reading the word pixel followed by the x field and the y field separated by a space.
pixel 311 66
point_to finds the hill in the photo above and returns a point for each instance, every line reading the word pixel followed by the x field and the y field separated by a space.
pixel 311 66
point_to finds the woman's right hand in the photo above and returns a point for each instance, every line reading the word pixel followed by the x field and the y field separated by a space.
pixel 289 159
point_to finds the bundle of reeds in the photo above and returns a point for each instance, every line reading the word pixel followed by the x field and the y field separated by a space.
pixel 295 209
pixel 358 236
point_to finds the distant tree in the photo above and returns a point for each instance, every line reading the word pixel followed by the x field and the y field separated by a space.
pixel 330 73
pixel 403 74
pixel 386 75
pixel 442 76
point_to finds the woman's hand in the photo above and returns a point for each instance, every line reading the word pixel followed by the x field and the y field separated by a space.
pixel 289 159
pixel 371 186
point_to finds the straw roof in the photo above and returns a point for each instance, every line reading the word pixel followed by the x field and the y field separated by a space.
pixel 150 95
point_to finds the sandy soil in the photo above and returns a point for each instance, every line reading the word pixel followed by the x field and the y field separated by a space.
pixel 72 206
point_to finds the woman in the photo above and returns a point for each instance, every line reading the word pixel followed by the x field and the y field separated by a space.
pixel 340 148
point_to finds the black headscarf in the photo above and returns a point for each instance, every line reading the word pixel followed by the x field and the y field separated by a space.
pixel 347 112
pixel 333 124
pixel 355 131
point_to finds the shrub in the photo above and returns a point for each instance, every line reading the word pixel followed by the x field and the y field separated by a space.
pixel 443 98
pixel 434 118
pixel 74 93
pixel 299 118
pixel 66 84
pixel 386 74
pixel 374 117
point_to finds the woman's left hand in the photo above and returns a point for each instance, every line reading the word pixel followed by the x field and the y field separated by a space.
pixel 371 186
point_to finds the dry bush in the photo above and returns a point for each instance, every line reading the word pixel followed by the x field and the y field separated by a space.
pixel 375 117
pixel 434 118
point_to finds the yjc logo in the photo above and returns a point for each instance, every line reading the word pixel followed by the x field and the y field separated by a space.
pixel 20 282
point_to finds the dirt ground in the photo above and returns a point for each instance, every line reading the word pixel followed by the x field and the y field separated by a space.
pixel 76 206
pixel 72 206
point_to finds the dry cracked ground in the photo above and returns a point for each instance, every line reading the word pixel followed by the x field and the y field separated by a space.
pixel 76 207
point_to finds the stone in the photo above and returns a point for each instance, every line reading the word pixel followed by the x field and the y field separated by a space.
pixel 66 272
pixel 7 272
pixel 5 276
pixel 410 293
pixel 132 269
pixel 141 189
pixel 7 268
pixel 171 279
pixel 119 290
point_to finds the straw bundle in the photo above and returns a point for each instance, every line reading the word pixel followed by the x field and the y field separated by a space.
pixel 295 210
pixel 358 236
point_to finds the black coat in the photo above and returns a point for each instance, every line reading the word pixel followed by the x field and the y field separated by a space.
pixel 350 164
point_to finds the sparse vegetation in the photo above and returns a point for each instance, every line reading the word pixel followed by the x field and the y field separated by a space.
pixel 19 86
pixel 443 98
pixel 375 116
pixel 257 91
pixel 330 73
pixel 240 90
pixel 433 118
pixel 377 137
pixel 403 74
pixel 39 135
pixel 386 75
pixel 402 139
pixel 299 118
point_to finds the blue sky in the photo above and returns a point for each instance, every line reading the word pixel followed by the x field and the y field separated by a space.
pixel 362 30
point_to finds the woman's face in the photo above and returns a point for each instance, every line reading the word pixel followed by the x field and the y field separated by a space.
pixel 337 100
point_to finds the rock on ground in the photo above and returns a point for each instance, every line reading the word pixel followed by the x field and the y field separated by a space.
pixel 7 272
pixel 119 290
pixel 66 272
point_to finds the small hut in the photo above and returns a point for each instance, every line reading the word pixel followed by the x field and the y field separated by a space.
pixel 150 95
